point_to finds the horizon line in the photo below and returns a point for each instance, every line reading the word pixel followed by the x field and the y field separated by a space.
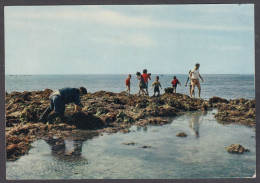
pixel 130 73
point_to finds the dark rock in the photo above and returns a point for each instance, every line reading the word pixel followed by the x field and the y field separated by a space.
pixel 181 134
pixel 145 147
pixel 217 100
pixel 236 149
pixel 129 143
pixel 168 90
pixel 84 121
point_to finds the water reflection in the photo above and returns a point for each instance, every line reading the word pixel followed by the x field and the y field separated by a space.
pixel 195 122
pixel 140 128
pixel 68 149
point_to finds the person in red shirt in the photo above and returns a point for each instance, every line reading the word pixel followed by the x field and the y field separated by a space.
pixel 146 77
pixel 174 83
pixel 128 83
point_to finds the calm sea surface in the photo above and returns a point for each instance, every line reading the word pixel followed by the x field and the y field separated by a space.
pixel 226 86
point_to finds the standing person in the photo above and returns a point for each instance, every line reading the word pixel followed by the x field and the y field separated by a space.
pixel 128 83
pixel 174 83
pixel 59 98
pixel 146 77
pixel 141 83
pixel 156 85
pixel 194 75
pixel 188 79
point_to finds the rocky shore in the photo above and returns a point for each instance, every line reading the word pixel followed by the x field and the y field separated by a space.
pixel 107 112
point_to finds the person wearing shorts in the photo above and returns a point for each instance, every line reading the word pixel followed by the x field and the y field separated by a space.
pixel 174 83
pixel 156 85
pixel 195 75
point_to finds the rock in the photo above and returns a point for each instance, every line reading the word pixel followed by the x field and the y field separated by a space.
pixel 236 148
pixel 101 111
pixel 145 147
pixel 217 100
pixel 129 143
pixel 107 112
pixel 121 115
pixel 46 93
pixel 108 118
pixel 167 111
pixel 168 90
pixel 83 121
pixel 128 120
pixel 181 134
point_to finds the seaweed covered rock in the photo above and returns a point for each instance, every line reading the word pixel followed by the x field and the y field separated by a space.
pixel 107 112
pixel 85 121
pixel 168 90
pixel 236 149
pixel 181 134
pixel 239 111
pixel 217 100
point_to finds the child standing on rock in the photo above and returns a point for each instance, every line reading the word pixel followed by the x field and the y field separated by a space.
pixel 156 85
pixel 146 77
pixel 174 83
pixel 128 83
pixel 141 83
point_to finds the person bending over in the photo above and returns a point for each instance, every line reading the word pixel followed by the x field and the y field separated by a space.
pixel 59 98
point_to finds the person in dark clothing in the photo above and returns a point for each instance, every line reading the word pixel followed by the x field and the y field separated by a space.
pixel 142 84
pixel 59 98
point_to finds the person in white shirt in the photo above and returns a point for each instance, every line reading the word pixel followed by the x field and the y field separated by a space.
pixel 194 76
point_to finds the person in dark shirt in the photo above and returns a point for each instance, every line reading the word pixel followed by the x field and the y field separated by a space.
pixel 142 83
pixel 59 98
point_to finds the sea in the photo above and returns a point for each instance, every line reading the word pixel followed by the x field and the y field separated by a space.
pixel 229 86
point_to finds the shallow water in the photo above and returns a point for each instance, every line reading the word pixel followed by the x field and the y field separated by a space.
pixel 201 154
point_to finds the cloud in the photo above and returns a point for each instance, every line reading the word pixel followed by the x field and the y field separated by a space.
pixel 113 18
pixel 137 40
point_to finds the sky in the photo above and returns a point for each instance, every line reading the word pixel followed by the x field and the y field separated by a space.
pixel 122 39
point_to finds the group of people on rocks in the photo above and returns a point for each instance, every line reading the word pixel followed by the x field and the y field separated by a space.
pixel 59 98
pixel 193 80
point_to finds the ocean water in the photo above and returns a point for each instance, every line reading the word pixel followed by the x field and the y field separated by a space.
pixel 200 155
pixel 226 86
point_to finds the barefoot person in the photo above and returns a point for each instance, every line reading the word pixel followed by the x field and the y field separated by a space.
pixel 128 83
pixel 195 75
pixel 156 85
pixel 190 87
pixel 174 83
pixel 141 83
pixel 146 77
pixel 59 98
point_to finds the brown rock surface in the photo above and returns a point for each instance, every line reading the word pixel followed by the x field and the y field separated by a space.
pixel 106 112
